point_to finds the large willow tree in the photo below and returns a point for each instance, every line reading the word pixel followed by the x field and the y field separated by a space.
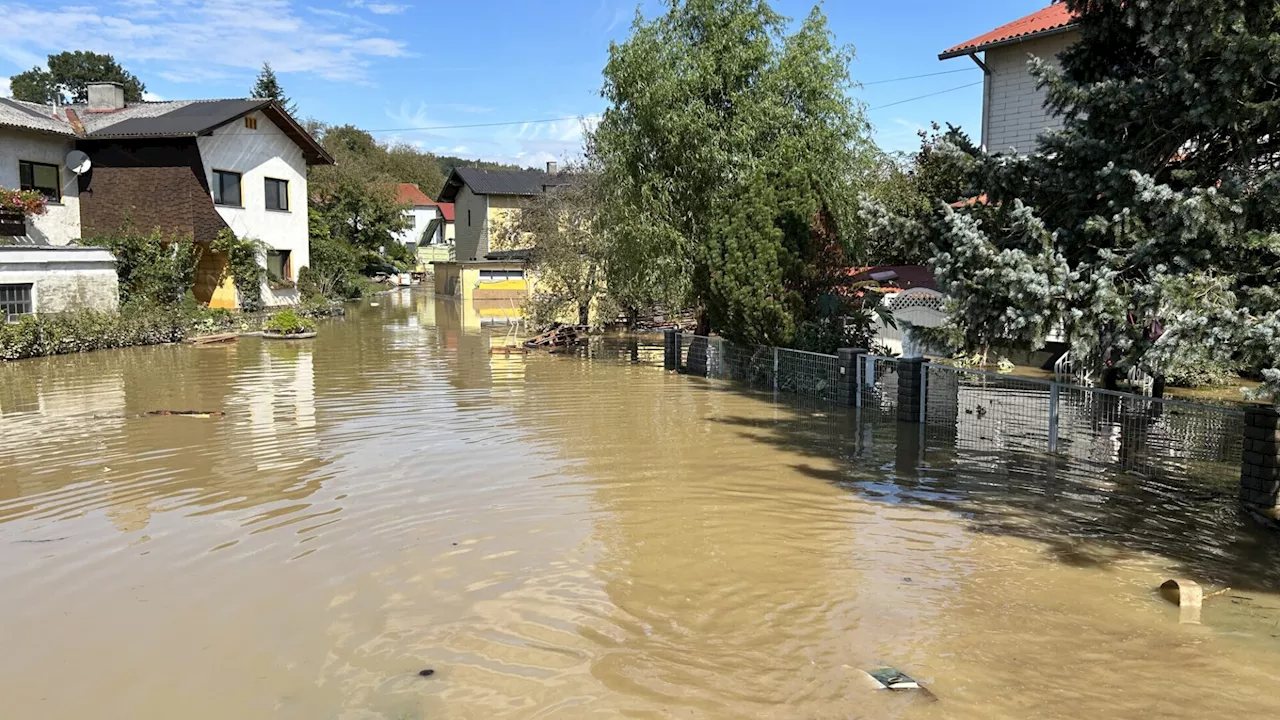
pixel 730 155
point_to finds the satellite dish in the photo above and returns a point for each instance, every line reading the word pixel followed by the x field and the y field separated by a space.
pixel 78 162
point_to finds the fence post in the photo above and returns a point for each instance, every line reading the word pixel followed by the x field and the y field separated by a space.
pixel 848 372
pixel 775 368
pixel 910 389
pixel 1260 466
pixel 671 349
pixel 1053 417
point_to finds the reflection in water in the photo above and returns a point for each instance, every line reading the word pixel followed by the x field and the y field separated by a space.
pixel 577 536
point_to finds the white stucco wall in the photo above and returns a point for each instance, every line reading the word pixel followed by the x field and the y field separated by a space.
pixel 60 223
pixel 259 154
pixel 422 216
pixel 1013 112
pixel 62 278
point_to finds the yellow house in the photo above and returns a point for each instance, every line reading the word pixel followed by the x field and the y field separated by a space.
pixel 491 283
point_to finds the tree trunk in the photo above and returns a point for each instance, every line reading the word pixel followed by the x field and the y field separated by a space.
pixel 584 313
pixel 1157 387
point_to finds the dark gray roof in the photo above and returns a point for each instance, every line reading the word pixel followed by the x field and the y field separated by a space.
pixel 189 119
pixel 498 182
pixel 165 119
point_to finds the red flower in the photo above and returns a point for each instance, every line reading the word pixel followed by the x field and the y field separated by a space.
pixel 27 202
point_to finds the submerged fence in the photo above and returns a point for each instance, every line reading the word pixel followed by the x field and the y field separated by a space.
pixel 983 411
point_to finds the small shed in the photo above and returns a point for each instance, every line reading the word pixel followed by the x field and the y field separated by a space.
pixel 36 277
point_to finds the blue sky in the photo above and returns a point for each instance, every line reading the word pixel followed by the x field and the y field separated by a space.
pixel 396 65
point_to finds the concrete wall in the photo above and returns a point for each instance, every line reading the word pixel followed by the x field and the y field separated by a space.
pixel 470 219
pixel 422 215
pixel 1013 113
pixel 62 278
pixel 60 223
pixel 259 154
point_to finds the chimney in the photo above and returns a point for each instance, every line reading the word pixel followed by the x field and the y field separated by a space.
pixel 551 167
pixel 106 96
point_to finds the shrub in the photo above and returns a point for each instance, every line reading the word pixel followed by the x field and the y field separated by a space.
pixel 39 335
pixel 152 269
pixel 242 262
pixel 288 322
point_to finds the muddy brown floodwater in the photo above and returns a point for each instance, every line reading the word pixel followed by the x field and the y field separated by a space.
pixel 575 537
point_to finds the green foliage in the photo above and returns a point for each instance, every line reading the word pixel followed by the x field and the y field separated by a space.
pixel 243 264
pixel 1150 220
pixel 288 322
pixel 939 173
pixel 400 257
pixel 333 272
pixel 267 86
pixel 83 330
pixel 568 248
pixel 353 201
pixel 725 142
pixel 152 269
pixel 68 78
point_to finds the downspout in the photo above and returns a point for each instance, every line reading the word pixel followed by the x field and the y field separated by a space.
pixel 986 95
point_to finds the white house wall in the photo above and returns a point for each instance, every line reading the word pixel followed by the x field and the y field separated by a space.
pixel 259 154
pixel 60 223
pixel 422 216
pixel 1013 113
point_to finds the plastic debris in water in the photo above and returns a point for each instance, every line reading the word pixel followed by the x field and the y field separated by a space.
pixel 887 678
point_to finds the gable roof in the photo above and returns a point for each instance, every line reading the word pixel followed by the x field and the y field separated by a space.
pixel 1050 21
pixel 171 119
pixel 446 211
pixel 408 193
pixel 498 182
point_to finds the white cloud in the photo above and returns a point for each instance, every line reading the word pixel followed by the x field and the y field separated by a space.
pixel 386 8
pixel 5 90
pixel 150 96
pixel 530 144
pixel 181 33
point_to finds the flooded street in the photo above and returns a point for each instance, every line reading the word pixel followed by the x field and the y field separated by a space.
pixel 563 537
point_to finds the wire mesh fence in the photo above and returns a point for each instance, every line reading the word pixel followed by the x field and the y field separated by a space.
pixel 878 380
pixel 977 410
pixel 990 413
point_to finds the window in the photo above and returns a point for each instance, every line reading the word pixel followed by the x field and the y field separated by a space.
pixel 411 247
pixel 251 123
pixel 40 176
pixel 15 300
pixel 468 217
pixel 277 194
pixel 500 275
pixel 226 188
pixel 278 265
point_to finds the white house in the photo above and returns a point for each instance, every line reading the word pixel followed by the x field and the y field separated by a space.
pixel 189 168
pixel 1013 112
pixel 428 226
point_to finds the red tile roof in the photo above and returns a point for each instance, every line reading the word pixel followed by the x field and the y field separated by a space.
pixel 410 194
pixel 446 209
pixel 1054 18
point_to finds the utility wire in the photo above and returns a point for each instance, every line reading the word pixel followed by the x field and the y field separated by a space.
pixel 916 77
pixel 921 97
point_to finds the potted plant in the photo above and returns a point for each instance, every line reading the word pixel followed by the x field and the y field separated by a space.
pixel 15 206
pixel 288 325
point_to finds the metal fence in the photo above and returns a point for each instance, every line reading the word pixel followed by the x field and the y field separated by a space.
pixel 768 368
pixel 977 410
pixel 980 411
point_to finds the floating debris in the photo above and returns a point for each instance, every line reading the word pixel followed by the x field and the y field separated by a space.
pixel 887 678
pixel 427 673
pixel 559 336
pixel 219 339
pixel 187 413
pixel 1187 595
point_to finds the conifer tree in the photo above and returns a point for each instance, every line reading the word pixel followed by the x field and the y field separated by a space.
pixel 268 87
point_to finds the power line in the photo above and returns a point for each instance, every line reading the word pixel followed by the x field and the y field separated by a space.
pixel 921 97
pixel 479 125
pixel 916 77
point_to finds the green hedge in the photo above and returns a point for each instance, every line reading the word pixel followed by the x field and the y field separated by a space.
pixel 38 335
